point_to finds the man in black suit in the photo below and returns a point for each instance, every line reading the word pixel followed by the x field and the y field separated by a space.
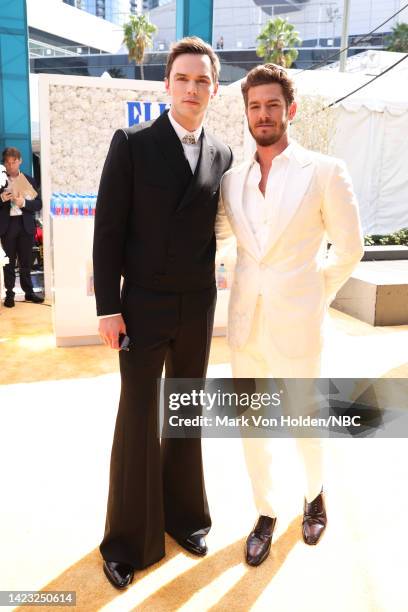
pixel 17 228
pixel 154 225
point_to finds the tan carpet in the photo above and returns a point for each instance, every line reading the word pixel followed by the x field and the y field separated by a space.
pixel 57 411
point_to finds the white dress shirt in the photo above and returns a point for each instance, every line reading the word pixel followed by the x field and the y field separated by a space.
pixel 262 210
pixel 191 151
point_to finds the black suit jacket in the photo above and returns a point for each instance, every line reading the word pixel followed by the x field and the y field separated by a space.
pixel 154 220
pixel 29 210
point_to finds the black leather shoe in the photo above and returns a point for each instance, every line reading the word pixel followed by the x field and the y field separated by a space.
pixel 36 299
pixel 195 543
pixel 259 541
pixel 118 574
pixel 9 301
pixel 314 520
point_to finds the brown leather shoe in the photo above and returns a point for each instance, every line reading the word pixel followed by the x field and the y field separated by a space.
pixel 314 520
pixel 258 543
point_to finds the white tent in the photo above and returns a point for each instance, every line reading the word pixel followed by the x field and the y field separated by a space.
pixel 372 137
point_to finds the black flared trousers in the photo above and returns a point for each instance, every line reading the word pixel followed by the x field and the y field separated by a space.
pixel 156 486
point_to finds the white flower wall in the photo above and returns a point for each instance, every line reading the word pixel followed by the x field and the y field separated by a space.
pixel 83 120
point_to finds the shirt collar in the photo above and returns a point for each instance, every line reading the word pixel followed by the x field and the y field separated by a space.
pixel 181 132
pixel 286 154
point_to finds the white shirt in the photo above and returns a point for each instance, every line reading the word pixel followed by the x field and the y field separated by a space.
pixel 192 152
pixel 259 210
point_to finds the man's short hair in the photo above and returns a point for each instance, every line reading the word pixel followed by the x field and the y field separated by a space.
pixel 10 152
pixel 266 74
pixel 196 46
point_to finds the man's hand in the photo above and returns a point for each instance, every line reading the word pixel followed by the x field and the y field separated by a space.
pixel 19 200
pixel 110 328
pixel 6 196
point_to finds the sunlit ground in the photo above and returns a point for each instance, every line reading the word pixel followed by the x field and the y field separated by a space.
pixel 57 410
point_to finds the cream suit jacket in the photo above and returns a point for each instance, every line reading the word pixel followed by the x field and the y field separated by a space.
pixel 295 277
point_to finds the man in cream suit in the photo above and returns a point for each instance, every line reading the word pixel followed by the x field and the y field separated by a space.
pixel 283 205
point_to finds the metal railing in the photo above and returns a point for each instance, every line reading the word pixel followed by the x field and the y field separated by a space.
pixel 42 49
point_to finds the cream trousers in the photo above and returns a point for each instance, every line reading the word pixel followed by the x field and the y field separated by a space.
pixel 259 359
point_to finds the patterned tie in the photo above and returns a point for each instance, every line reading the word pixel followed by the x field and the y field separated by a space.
pixel 188 139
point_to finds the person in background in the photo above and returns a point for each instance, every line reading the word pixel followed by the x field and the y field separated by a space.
pixel 19 201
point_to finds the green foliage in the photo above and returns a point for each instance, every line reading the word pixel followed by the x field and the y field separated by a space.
pixel 398 40
pixel 116 73
pixel 138 33
pixel 400 237
pixel 277 41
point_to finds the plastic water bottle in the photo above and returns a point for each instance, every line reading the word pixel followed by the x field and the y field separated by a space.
pixel 53 202
pixel 81 203
pixel 84 205
pixel 66 204
pixel 221 277
pixel 88 198
pixel 75 205
pixel 56 204
pixel 92 206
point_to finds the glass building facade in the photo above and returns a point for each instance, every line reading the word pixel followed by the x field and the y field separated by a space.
pixel 15 127
pixel 116 11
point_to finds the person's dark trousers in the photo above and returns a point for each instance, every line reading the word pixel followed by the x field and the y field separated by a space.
pixel 156 487
pixel 17 242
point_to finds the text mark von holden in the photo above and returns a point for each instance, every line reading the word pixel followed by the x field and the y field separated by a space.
pixel 260 421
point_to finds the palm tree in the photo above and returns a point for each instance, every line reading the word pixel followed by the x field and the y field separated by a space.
pixel 138 37
pixel 398 39
pixel 276 42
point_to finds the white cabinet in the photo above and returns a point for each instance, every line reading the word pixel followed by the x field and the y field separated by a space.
pixel 74 311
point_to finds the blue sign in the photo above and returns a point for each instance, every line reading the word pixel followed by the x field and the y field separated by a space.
pixel 139 112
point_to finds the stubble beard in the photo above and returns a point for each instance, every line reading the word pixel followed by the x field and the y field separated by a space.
pixel 270 139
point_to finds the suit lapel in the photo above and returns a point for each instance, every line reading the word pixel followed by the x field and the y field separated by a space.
pixel 171 147
pixel 291 193
pixel 242 228
pixel 202 175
